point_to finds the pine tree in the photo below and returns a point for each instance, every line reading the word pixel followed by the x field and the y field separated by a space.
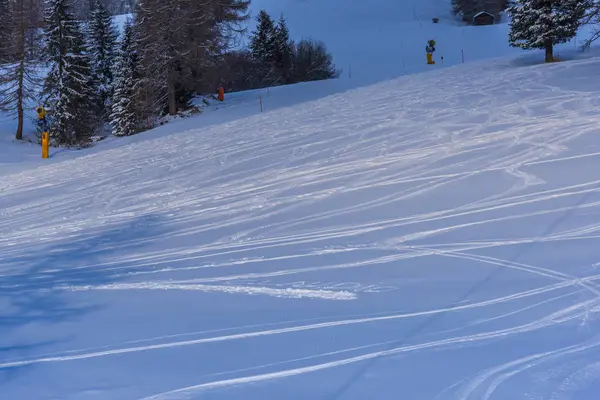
pixel 541 24
pixel 124 117
pixel 69 85
pixel 19 82
pixel 262 42
pixel 5 22
pixel 102 39
pixel 263 48
pixel 283 50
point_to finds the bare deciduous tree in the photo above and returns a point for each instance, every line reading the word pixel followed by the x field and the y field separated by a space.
pixel 178 41
pixel 19 81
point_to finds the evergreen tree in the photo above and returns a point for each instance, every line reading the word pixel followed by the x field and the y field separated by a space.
pixel 19 82
pixel 5 22
pixel 124 117
pixel 262 42
pixel 541 24
pixel 263 48
pixel 69 85
pixel 102 39
pixel 283 50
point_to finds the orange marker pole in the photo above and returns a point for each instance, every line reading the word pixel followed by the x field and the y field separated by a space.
pixel 45 145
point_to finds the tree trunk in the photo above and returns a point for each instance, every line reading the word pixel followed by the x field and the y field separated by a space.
pixel 549 51
pixel 21 72
pixel 172 98
pixel 19 134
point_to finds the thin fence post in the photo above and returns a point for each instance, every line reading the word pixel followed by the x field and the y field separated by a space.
pixel 462 53
pixel 402 54
pixel 261 106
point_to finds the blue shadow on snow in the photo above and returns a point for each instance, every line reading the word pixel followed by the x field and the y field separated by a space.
pixel 37 295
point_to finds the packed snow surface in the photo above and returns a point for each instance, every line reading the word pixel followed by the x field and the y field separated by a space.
pixel 430 237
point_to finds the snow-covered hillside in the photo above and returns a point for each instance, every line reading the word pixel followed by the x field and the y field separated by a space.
pixel 372 41
pixel 381 39
pixel 431 237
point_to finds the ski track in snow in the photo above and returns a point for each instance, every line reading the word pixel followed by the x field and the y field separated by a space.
pixel 435 170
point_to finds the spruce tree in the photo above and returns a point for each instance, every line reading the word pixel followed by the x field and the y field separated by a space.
pixel 124 117
pixel 283 50
pixel 541 24
pixel 68 87
pixel 263 48
pixel 5 22
pixel 102 39
pixel 262 42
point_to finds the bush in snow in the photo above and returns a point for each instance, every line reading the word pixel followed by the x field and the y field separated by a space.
pixel 312 62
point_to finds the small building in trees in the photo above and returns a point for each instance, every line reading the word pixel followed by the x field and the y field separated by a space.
pixel 467 10
pixel 484 18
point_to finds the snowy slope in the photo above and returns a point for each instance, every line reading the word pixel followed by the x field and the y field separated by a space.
pixel 381 39
pixel 436 242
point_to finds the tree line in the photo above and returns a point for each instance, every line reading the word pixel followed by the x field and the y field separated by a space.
pixel 273 59
pixel 91 77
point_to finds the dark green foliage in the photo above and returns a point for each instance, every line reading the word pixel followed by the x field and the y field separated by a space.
pixel 284 51
pixel 125 116
pixel 69 87
pixel 278 60
pixel 262 42
pixel 541 24
pixel 102 40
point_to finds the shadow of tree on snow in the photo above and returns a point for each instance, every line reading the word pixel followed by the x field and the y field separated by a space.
pixel 36 296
